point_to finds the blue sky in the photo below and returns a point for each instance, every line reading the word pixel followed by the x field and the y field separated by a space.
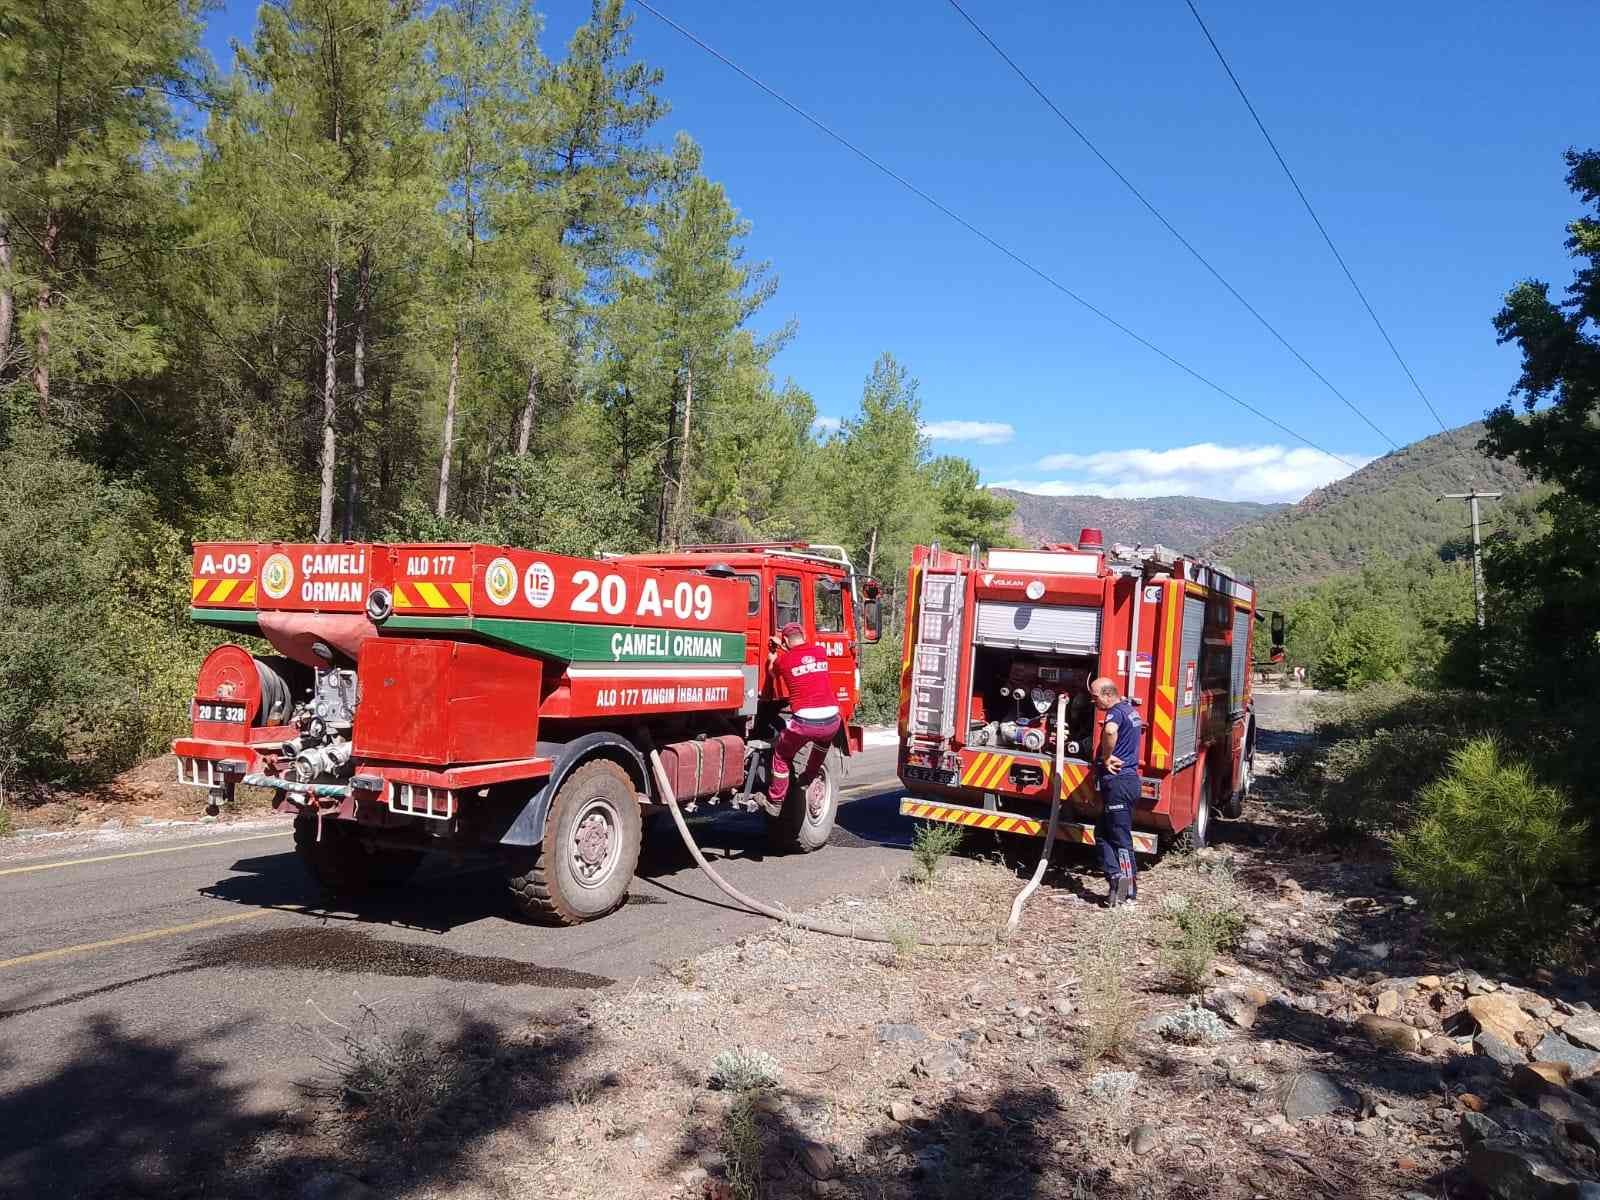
pixel 1428 135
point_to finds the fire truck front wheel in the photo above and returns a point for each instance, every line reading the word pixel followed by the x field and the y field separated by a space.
pixel 582 869
pixel 806 821
pixel 340 863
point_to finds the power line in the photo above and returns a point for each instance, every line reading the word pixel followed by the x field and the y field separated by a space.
pixel 1316 220
pixel 991 241
pixel 1170 228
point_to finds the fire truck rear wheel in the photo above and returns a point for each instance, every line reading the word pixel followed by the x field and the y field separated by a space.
pixel 806 822
pixel 1198 835
pixel 582 869
pixel 341 864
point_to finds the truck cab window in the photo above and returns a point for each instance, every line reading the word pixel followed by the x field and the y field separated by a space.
pixel 753 604
pixel 828 605
pixel 786 602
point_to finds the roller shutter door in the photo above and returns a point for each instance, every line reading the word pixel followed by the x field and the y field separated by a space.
pixel 1048 628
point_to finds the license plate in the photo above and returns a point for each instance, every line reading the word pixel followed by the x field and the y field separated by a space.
pixel 931 775
pixel 216 710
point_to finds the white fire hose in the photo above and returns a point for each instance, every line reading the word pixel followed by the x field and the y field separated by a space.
pixel 869 935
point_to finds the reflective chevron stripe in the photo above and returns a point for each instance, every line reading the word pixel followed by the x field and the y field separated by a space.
pixel 1166 679
pixel 235 593
pixel 986 770
pixel 424 594
pixel 978 818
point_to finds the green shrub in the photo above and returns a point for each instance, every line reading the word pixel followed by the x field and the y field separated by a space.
pixel 931 844
pixel 97 657
pixel 1492 853
pixel 880 683
pixel 1204 927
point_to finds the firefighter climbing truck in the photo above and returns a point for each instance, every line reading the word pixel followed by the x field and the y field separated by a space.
pixel 484 699
pixel 992 640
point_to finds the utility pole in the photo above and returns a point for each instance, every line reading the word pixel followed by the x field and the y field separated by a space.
pixel 1472 499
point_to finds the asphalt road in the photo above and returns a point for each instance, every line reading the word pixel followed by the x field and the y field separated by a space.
pixel 158 999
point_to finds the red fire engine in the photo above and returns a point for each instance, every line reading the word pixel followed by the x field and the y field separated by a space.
pixel 491 699
pixel 992 640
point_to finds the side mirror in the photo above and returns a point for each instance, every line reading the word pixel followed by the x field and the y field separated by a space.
pixel 870 589
pixel 871 621
pixel 1277 630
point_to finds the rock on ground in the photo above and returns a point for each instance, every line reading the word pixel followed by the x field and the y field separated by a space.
pixel 1390 1033
pixel 1313 1094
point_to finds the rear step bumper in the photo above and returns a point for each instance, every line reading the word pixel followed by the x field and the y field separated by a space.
pixel 999 822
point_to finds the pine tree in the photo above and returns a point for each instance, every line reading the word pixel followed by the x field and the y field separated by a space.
pixel 86 146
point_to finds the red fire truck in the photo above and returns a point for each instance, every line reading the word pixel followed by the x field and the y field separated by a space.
pixel 993 639
pixel 489 699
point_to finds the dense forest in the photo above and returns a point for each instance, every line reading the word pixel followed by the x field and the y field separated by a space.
pixel 405 271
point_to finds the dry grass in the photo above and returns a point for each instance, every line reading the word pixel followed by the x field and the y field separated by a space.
pixel 1106 963
pixel 741 1148
pixel 396 1076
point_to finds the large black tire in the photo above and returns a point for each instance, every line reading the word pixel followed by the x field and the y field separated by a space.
pixel 341 864
pixel 806 822
pixel 582 868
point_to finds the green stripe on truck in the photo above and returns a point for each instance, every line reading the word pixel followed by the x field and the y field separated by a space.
pixel 573 642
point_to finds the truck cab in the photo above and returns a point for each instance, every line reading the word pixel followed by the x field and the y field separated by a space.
pixel 813 586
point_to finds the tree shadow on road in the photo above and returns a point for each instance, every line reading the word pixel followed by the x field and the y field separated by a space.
pixel 132 1115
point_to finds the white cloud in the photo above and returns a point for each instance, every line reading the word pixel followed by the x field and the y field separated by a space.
pixel 980 433
pixel 1263 473
pixel 827 424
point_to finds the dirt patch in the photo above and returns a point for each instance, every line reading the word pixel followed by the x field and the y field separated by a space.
pixel 149 791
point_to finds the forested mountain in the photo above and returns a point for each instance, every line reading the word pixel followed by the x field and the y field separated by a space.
pixel 405 272
pixel 1389 508
pixel 1182 522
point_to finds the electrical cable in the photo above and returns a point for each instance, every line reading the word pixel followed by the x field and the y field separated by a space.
pixel 1166 224
pixel 988 239
pixel 1316 220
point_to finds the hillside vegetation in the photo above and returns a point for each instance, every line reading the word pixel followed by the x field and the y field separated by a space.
pixel 1389 508
pixel 1182 522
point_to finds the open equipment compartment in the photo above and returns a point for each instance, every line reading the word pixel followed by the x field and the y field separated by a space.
pixel 1013 701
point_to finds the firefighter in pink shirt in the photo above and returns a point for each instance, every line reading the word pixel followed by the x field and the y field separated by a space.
pixel 813 709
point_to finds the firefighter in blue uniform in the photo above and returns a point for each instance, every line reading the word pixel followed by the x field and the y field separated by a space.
pixel 1117 777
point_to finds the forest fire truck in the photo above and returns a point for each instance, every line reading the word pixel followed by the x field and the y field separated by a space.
pixel 489 699
pixel 992 640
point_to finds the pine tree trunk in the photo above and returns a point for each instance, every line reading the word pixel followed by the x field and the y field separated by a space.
pixel 330 383
pixel 665 508
pixel 358 379
pixel 385 456
pixel 449 426
pixel 8 298
pixel 530 410
pixel 41 338
pixel 682 515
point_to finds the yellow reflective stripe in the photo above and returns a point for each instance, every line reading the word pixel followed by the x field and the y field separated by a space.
pixel 401 598
pixel 196 586
pixel 249 596
pixel 992 765
pixel 223 590
pixel 1163 721
pixel 463 590
pixel 974 770
pixel 431 595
